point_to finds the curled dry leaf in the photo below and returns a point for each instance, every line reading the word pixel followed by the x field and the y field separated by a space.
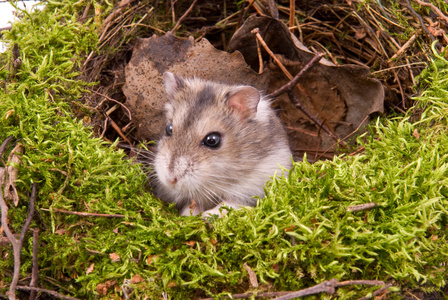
pixel 151 258
pixel 103 288
pixel 90 269
pixel 114 257
pixel 416 134
pixel 137 279
pixel 190 243
pixel 252 276
pixel 153 56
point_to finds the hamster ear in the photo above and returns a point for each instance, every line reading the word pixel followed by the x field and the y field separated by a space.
pixel 244 100
pixel 173 83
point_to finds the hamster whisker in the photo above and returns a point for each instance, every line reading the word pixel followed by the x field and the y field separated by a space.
pixel 217 185
pixel 222 176
pixel 212 196
pixel 208 198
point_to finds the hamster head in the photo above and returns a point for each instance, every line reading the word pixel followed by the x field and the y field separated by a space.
pixel 221 143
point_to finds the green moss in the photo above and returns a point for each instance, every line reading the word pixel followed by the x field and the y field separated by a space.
pixel 299 235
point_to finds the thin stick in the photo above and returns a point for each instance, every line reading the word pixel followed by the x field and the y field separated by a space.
pixel 292 13
pixel 377 292
pixel 404 47
pixel 361 207
pixel 118 130
pixel 438 12
pixel 173 13
pixel 327 287
pixel 291 84
pixel 116 101
pixel 5 144
pixel 108 20
pixel 249 295
pixel 400 66
pixel 366 282
pixel 53 293
pixel 295 100
pixel 420 20
pixel 84 214
pixel 260 58
pixel 403 97
pixel 353 132
pixel 256 31
pixel 183 17
pixel 6 28
pixel 35 269
pixel 16 244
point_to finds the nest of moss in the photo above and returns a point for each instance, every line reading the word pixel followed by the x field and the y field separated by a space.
pixel 102 235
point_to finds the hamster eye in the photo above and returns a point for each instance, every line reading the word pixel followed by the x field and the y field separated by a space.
pixel 169 129
pixel 212 140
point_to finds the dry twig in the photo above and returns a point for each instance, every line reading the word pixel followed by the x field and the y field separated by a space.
pixel 116 101
pixel 84 214
pixel 108 20
pixel 118 130
pixel 16 243
pixel 382 290
pixel 346 137
pixel 5 144
pixel 361 207
pixel 35 269
pixel 411 9
pixel 404 47
pixel 324 287
pixel 183 17
pixel 295 100
pixel 327 287
pixel 292 13
pixel 435 8
pixel 53 293
pixel 293 82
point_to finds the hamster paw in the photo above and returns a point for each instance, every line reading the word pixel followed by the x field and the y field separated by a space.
pixel 218 211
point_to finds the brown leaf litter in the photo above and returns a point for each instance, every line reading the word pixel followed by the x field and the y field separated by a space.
pixel 369 49
pixel 341 96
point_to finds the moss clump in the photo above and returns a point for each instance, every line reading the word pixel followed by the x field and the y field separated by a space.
pixel 299 235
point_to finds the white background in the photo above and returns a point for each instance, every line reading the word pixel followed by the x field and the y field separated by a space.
pixel 7 16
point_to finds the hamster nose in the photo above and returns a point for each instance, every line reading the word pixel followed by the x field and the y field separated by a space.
pixel 172 180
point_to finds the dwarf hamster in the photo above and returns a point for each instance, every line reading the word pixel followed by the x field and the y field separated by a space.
pixel 221 144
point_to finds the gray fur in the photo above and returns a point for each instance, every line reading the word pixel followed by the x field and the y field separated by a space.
pixel 251 151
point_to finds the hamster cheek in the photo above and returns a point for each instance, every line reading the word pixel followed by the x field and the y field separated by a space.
pixel 161 168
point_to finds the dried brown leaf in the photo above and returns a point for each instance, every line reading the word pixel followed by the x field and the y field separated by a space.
pixel 114 257
pixel 104 288
pixel 137 279
pixel 416 134
pixel 190 243
pixel 90 269
pixel 252 276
